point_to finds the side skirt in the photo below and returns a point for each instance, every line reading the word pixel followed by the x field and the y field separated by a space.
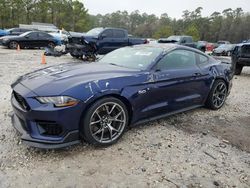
pixel 165 115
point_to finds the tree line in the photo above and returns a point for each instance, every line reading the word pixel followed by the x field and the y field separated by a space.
pixel 232 25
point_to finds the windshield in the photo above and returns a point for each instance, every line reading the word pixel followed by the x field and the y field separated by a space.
pixel 94 32
pixel 132 57
pixel 174 38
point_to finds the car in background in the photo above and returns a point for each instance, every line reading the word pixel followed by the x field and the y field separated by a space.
pixel 100 41
pixel 61 35
pixel 185 41
pixel 16 31
pixel 210 47
pixel 151 41
pixel 60 105
pixel 3 32
pixel 31 39
pixel 220 42
pixel 241 57
pixel 224 50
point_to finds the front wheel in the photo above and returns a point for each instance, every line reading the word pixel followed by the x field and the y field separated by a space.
pixel 105 122
pixel 217 95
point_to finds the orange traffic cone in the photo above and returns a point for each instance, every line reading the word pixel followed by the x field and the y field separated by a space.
pixel 18 48
pixel 43 59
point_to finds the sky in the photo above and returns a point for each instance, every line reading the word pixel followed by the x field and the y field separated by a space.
pixel 173 8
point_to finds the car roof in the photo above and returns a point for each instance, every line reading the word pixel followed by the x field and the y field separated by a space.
pixel 167 47
pixel 242 44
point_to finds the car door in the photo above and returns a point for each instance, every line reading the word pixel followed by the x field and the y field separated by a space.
pixel 29 40
pixel 43 39
pixel 104 43
pixel 120 38
pixel 178 82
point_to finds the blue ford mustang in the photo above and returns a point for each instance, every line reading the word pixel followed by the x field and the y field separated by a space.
pixel 60 105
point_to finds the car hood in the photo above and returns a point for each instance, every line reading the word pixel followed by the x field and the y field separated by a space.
pixel 10 37
pixel 57 79
pixel 220 50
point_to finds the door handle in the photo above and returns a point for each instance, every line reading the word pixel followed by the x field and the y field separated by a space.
pixel 197 74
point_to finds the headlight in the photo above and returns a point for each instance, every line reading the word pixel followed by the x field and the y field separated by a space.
pixel 59 101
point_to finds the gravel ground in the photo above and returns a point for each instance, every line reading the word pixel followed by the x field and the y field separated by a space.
pixel 199 148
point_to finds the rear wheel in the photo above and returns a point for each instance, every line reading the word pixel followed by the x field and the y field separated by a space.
pixel 105 122
pixel 13 45
pixel 217 95
pixel 238 69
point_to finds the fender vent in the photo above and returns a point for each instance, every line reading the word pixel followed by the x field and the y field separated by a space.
pixel 21 101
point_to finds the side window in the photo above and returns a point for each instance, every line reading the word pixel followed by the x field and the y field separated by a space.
pixel 108 33
pixel 202 59
pixel 119 34
pixel 177 59
pixel 43 35
pixel 33 35
pixel 246 49
pixel 188 40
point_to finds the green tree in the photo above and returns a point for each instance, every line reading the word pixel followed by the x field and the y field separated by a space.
pixel 193 31
pixel 163 32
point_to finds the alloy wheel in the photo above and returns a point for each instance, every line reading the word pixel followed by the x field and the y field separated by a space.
pixel 219 95
pixel 13 45
pixel 107 122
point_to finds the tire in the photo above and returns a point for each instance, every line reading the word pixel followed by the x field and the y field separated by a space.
pixel 13 45
pixel 238 69
pixel 217 95
pixel 51 45
pixel 75 56
pixel 105 122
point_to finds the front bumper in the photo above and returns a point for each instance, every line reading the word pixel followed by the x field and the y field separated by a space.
pixel 39 124
pixel 68 140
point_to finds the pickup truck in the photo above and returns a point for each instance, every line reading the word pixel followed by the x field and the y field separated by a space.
pixel 241 57
pixel 184 40
pixel 101 41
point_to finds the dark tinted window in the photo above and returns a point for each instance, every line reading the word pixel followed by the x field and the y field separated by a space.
pixel 202 59
pixel 44 35
pixel 246 49
pixel 33 35
pixel 188 39
pixel 178 59
pixel 119 34
pixel 108 33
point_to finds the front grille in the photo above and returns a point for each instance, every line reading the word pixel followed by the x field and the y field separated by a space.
pixel 49 128
pixel 21 101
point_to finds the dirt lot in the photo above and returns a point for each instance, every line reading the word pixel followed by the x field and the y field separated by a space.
pixel 200 148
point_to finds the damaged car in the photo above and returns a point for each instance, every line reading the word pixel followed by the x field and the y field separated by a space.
pixel 61 105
